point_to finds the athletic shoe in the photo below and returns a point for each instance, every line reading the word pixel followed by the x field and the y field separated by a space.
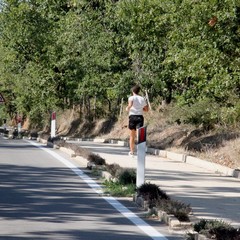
pixel 131 154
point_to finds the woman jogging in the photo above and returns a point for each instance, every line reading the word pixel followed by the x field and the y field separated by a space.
pixel 136 106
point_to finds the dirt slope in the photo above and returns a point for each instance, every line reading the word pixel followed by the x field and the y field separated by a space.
pixel 220 145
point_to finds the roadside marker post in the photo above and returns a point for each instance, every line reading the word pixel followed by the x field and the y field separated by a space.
pixel 53 125
pixel 141 154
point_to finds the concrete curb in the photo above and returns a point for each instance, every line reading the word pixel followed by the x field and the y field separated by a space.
pixel 98 140
pixel 162 216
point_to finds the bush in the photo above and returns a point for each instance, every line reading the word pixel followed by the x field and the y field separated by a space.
pixel 127 176
pixel 96 159
pixel 197 113
pixel 113 169
pixel 217 229
pixel 125 184
pixel 151 192
pixel 178 209
pixel 222 233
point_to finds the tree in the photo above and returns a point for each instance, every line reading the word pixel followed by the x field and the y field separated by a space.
pixel 57 54
pixel 202 49
pixel 143 27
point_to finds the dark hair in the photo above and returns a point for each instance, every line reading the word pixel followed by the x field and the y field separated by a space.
pixel 136 89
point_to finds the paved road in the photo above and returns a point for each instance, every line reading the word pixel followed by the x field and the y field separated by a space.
pixel 210 195
pixel 45 195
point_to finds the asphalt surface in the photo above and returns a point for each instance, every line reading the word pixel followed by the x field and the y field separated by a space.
pixel 45 195
pixel 210 195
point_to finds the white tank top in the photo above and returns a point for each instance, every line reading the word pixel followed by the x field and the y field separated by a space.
pixel 138 104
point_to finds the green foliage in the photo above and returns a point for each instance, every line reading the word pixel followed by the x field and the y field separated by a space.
pixel 207 113
pixel 230 116
pixel 158 198
pixel 144 37
pixel 225 233
pixel 118 189
pixel 204 112
pixel 127 176
pixel 180 210
pixel 151 192
pixel 125 181
pixel 219 229
pixel 54 55
pixel 96 159
pixel 205 224
pixel 113 169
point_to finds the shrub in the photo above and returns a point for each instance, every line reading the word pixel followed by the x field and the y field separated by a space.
pixel 180 210
pixel 197 113
pixel 151 192
pixel 113 169
pixel 223 233
pixel 127 176
pixel 96 159
pixel 125 184
pixel 218 229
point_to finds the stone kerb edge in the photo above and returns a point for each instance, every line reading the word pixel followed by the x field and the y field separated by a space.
pixel 236 173
pixel 201 237
pixel 162 216
pixel 42 140
pixel 97 140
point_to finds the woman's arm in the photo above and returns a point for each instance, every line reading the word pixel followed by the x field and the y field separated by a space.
pixel 130 103
pixel 145 108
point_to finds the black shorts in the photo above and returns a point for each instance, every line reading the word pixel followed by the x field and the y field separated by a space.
pixel 135 122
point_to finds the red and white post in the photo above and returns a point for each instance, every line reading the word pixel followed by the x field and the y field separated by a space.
pixel 53 125
pixel 141 154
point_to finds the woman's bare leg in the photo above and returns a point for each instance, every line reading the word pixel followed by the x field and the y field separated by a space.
pixel 132 140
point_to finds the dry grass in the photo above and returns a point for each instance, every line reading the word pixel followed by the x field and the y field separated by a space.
pixel 227 155
pixel 220 145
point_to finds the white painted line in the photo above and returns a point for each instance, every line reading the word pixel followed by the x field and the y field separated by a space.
pixel 145 227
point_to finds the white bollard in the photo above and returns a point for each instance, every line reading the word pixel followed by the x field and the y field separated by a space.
pixel 53 125
pixel 19 127
pixel 141 153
